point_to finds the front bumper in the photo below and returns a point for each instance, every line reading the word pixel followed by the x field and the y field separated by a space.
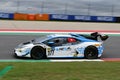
pixel 20 53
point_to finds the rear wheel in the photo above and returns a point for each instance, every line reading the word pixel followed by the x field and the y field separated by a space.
pixel 38 52
pixel 91 52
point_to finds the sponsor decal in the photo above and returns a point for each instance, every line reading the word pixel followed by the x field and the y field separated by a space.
pixel 80 50
pixel 75 55
pixel 57 16
pixel 62 49
pixel 88 18
pixel 50 51
pixel 105 18
pixel 3 15
pixel 6 15
pixel 82 18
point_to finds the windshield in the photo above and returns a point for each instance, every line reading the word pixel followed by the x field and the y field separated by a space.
pixel 39 40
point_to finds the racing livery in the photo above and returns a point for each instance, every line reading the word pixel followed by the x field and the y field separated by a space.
pixel 63 46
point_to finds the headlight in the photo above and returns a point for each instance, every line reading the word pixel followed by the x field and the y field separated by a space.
pixel 20 50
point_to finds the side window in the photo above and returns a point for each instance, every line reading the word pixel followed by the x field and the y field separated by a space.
pixel 73 41
pixel 61 41
pixel 56 42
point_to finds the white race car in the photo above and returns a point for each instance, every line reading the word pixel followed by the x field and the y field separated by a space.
pixel 63 46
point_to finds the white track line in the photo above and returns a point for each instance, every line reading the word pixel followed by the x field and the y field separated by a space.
pixel 76 60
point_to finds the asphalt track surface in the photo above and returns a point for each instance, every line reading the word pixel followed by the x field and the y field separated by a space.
pixel 9 42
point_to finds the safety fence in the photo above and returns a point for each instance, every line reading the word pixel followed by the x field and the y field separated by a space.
pixel 58 17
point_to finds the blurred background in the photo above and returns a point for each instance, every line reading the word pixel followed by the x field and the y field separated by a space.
pixel 68 7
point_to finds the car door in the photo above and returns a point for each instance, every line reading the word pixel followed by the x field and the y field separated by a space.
pixel 73 44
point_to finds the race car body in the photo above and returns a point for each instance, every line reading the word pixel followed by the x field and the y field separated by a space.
pixel 63 46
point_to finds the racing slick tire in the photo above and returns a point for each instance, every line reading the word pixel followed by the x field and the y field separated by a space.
pixel 91 52
pixel 38 52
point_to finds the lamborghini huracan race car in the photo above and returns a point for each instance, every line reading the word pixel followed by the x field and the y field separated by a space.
pixel 63 46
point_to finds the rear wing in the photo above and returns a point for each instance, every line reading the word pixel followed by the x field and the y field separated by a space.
pixel 94 36
pixel 97 35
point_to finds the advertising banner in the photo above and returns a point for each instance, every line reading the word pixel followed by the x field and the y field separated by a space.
pixel 61 17
pixel 31 17
pixel 95 18
pixel 105 18
pixel 6 15
pixel 20 16
pixel 82 18
pixel 43 17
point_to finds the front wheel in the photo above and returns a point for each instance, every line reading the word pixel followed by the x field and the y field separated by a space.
pixel 91 52
pixel 38 53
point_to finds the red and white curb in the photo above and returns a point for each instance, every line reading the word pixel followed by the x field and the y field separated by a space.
pixel 111 59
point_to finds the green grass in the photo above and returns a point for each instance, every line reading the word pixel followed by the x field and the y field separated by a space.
pixel 62 71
